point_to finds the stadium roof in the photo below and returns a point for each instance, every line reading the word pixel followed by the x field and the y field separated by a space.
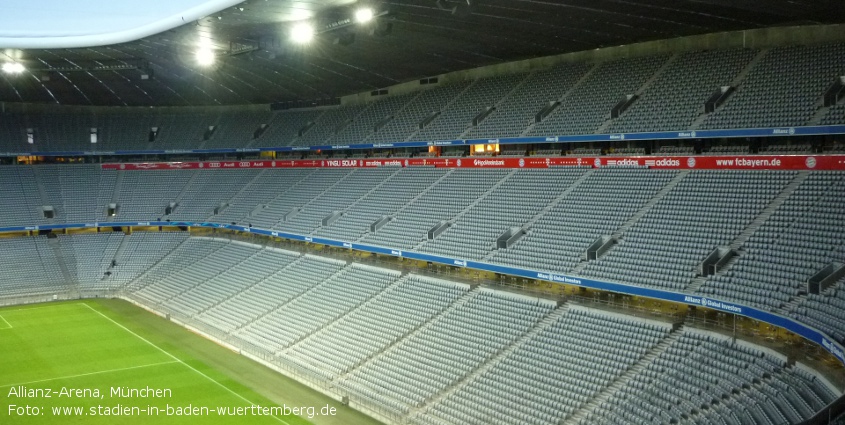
pixel 255 62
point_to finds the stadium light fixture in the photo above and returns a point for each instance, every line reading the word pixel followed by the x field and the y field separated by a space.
pixel 13 67
pixel 205 56
pixel 364 15
pixel 302 33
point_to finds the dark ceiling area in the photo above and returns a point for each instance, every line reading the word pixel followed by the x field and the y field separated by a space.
pixel 256 63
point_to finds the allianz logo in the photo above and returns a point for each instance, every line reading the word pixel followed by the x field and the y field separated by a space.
pixel 309 239
pixel 461 263
pixel 274 233
pixel 706 302
pixel 558 278
pixel 790 130
pixel 694 300
pixel 395 252
pixel 347 245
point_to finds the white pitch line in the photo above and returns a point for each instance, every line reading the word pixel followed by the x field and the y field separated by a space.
pixel 7 323
pixel 39 307
pixel 88 374
pixel 179 360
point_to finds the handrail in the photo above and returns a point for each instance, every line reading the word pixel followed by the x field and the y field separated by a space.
pixel 827 415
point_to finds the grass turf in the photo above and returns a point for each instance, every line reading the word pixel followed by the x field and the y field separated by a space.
pixel 105 344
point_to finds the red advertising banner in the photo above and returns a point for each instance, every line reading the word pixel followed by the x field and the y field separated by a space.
pixel 735 162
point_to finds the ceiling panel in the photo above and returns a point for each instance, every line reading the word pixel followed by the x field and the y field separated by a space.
pixel 427 39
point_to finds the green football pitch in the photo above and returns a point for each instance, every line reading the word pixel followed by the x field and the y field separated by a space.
pixel 110 362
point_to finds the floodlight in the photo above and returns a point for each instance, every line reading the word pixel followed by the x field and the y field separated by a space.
pixel 13 67
pixel 302 32
pixel 205 56
pixel 364 15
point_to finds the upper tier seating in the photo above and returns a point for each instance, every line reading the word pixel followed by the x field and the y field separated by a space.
pixel 835 115
pixel 328 124
pixel 782 89
pixel 363 125
pixel 779 87
pixel 236 128
pixel 285 127
pixel 453 121
pixel 177 130
pixel 516 112
pixel 685 85
pixel 588 105
pixel 406 122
